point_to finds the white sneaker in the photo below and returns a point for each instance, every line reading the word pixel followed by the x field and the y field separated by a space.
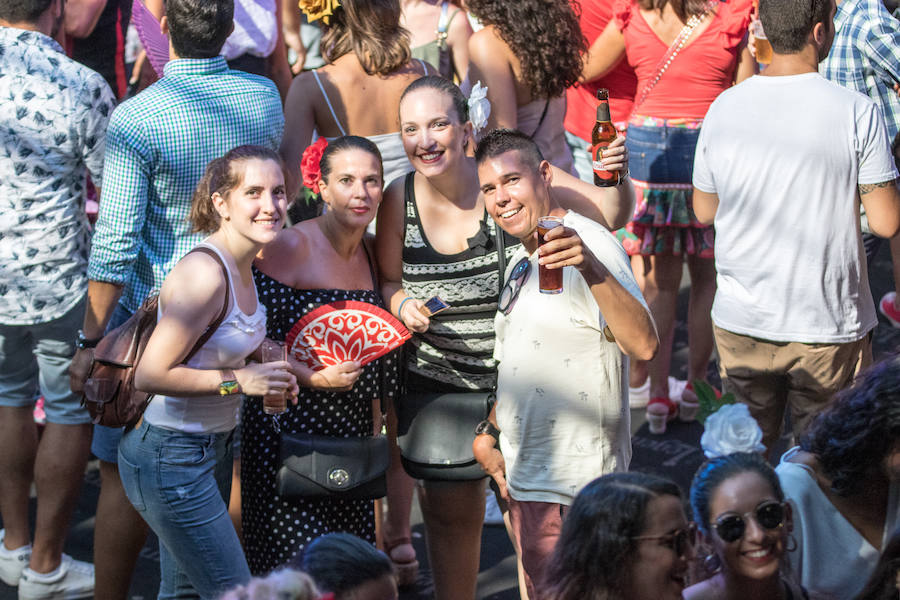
pixel 71 580
pixel 12 562
pixel 638 397
pixel 676 388
pixel 492 514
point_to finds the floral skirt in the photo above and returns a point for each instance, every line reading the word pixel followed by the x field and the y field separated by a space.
pixel 661 157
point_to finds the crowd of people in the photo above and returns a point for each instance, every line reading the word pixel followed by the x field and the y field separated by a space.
pixel 438 168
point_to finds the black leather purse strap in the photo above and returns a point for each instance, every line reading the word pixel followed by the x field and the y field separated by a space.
pixel 501 257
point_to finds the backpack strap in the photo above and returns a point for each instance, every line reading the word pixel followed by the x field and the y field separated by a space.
pixel 215 324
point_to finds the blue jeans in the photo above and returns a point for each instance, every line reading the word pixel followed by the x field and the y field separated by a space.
pixel 180 484
pixel 581 156
pixel 661 154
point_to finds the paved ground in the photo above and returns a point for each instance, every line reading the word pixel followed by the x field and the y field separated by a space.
pixel 675 454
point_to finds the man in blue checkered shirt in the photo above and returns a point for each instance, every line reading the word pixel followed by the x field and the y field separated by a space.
pixel 158 145
pixel 865 57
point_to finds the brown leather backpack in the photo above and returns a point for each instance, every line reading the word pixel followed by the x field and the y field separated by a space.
pixel 109 392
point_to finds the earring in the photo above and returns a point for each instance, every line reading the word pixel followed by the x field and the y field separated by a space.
pixel 791 540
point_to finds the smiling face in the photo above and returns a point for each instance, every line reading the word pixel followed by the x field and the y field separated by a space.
pixel 353 188
pixel 256 206
pixel 515 194
pixel 757 554
pixel 433 136
pixel 658 572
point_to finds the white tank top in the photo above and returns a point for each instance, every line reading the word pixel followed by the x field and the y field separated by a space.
pixel 228 347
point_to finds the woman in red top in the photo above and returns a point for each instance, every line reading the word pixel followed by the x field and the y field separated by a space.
pixel 685 53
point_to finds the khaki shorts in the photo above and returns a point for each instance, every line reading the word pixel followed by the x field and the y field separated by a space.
pixel 770 377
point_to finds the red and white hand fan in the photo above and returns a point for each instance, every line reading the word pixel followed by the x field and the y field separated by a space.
pixel 344 331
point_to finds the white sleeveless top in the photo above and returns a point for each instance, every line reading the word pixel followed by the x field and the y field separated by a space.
pixel 228 347
pixel 393 156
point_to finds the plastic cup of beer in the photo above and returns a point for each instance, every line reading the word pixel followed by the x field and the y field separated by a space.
pixel 763 46
pixel 271 351
pixel 549 280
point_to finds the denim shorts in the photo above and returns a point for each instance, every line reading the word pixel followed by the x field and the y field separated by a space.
pixel 661 154
pixel 34 361
pixel 180 483
pixel 581 157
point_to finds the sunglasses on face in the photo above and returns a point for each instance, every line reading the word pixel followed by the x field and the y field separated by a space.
pixel 769 515
pixel 681 541
pixel 517 278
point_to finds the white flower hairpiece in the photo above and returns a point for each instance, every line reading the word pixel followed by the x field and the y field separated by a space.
pixel 479 106
pixel 731 429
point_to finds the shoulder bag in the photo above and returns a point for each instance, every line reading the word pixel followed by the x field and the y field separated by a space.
pixel 435 431
pixel 317 466
pixel 109 392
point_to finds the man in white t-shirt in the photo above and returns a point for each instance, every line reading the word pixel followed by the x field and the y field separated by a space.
pixel 562 392
pixel 781 165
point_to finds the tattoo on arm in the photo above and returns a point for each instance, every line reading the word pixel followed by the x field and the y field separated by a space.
pixel 865 188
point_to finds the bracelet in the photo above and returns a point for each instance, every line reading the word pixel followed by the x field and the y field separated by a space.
pixel 400 310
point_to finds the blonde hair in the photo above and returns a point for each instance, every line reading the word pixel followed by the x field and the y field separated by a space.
pixel 284 584
pixel 371 30
pixel 222 176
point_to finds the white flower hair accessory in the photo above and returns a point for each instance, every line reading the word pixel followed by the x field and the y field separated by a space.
pixel 731 429
pixel 479 106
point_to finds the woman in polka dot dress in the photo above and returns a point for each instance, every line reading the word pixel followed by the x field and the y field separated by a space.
pixel 315 262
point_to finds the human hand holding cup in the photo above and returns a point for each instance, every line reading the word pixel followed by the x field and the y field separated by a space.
pixel 274 403
pixel 550 280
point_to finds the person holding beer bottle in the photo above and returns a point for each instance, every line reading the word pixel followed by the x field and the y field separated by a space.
pixel 434 237
pixel 561 416
pixel 685 53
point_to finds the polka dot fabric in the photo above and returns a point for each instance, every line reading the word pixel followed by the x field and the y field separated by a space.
pixel 276 529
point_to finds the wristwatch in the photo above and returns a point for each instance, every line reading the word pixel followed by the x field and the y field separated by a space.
pixel 82 342
pixel 229 383
pixel 486 427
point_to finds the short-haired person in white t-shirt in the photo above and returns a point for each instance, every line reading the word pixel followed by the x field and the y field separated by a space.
pixel 783 160
pixel 562 385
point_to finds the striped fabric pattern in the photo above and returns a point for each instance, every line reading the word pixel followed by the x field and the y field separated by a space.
pixel 458 348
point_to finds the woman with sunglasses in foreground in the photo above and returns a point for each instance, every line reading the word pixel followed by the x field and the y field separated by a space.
pixel 741 514
pixel 842 483
pixel 625 537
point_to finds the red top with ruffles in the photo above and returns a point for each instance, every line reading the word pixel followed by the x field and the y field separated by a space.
pixel 703 69
pixel 581 98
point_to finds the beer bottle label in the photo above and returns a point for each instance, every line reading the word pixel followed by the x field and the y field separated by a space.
pixel 597 156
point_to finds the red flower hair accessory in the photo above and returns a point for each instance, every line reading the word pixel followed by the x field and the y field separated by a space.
pixel 309 164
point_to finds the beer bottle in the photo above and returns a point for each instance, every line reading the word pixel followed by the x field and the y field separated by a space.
pixel 604 132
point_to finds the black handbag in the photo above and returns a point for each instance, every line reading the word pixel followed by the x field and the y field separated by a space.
pixel 315 466
pixel 435 430
pixel 435 433
pixel 318 466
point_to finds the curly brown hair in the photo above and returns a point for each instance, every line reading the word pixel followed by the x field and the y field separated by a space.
pixel 371 30
pixel 543 34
